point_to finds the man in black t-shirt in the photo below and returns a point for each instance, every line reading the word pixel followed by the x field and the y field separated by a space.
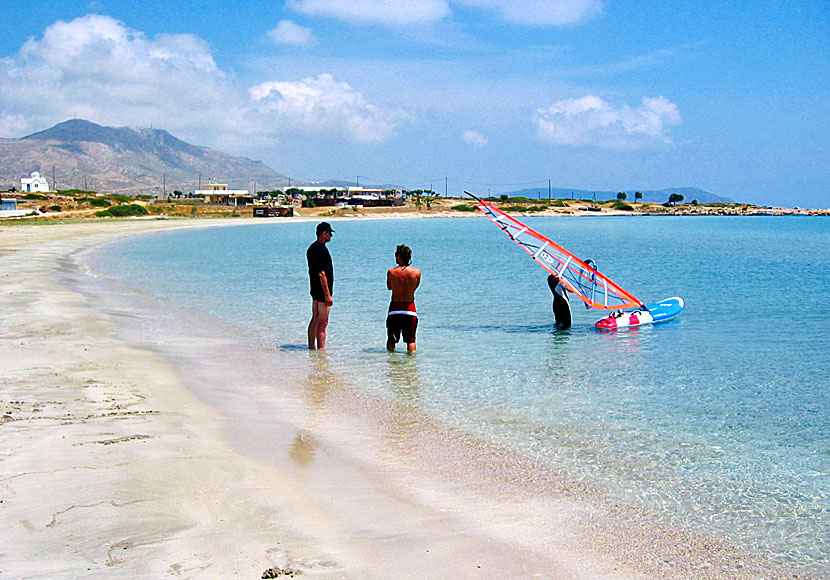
pixel 321 284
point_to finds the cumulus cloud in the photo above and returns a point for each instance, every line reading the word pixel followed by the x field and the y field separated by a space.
pixel 293 34
pixel 590 120
pixel 415 12
pixel 541 12
pixel 321 106
pixel 385 12
pixel 475 139
pixel 97 68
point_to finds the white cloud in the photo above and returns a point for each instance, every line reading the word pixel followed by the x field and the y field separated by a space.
pixel 321 106
pixel 416 12
pixel 293 34
pixel 541 12
pixel 99 69
pixel 385 12
pixel 475 139
pixel 96 68
pixel 590 120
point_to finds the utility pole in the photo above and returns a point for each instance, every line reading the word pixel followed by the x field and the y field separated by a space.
pixel 200 180
pixel 445 187
pixel 85 186
pixel 358 181
pixel 548 191
pixel 164 185
pixel 54 183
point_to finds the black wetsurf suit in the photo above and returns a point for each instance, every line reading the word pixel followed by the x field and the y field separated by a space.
pixel 561 305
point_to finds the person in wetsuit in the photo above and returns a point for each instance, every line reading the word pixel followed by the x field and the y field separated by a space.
pixel 561 304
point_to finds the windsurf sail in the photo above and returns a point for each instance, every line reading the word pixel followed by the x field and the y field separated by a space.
pixel 579 276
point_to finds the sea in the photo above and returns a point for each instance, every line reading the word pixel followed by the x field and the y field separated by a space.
pixel 718 420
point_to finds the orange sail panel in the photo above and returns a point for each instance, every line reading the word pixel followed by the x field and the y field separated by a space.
pixel 580 277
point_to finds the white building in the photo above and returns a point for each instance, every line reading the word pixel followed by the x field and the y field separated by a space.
pixel 34 183
pixel 219 193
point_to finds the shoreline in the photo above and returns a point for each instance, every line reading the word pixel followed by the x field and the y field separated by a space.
pixel 307 474
pixel 71 211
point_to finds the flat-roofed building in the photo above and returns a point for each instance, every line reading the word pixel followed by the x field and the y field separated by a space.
pixel 219 193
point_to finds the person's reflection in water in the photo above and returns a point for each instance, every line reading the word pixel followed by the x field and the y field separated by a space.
pixel 404 378
pixel 321 380
pixel 302 449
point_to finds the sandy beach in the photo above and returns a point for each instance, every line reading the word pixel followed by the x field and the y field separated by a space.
pixel 131 450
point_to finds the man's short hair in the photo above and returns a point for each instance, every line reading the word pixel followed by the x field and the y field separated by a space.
pixel 404 252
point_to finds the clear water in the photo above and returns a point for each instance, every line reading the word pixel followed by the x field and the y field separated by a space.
pixel 718 420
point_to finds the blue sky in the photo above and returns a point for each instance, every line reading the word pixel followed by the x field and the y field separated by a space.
pixel 490 94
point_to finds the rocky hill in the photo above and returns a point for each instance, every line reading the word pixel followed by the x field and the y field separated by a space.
pixel 132 160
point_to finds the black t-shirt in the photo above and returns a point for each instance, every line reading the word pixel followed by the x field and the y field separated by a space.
pixel 319 260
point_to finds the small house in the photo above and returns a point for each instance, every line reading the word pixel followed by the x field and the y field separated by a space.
pixel 220 194
pixel 34 183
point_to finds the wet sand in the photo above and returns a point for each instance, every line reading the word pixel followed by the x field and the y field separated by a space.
pixel 139 441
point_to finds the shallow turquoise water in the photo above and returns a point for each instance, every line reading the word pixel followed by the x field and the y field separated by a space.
pixel 718 419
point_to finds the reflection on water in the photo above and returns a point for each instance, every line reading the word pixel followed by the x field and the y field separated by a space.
pixel 321 381
pixel 404 377
pixel 302 448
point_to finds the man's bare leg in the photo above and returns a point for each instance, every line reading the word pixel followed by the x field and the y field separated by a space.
pixel 320 320
pixel 317 326
pixel 410 347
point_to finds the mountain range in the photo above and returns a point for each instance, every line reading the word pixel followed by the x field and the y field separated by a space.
pixel 78 154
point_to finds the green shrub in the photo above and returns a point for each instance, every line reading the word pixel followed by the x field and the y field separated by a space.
pixel 621 205
pixel 558 203
pixel 535 208
pixel 123 211
pixel 119 198
pixel 514 208
pixel 74 192
pixel 54 208
pixel 463 207
pixel 95 201
pixel 34 196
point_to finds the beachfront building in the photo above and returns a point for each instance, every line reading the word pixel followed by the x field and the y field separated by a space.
pixel 34 183
pixel 370 197
pixel 359 196
pixel 306 189
pixel 220 194
pixel 8 204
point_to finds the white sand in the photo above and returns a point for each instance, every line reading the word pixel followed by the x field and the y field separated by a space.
pixel 120 463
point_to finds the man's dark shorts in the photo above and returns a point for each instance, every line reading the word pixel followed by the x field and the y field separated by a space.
pixel 401 324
